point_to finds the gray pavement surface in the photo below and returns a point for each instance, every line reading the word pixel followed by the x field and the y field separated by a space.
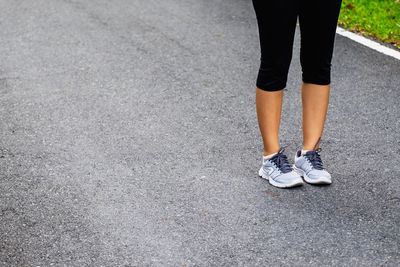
pixel 129 137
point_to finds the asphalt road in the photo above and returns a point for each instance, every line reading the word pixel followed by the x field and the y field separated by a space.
pixel 129 137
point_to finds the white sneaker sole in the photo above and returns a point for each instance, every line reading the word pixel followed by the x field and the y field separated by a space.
pixel 321 180
pixel 265 175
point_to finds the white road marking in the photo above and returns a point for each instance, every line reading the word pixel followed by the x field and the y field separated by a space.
pixel 369 43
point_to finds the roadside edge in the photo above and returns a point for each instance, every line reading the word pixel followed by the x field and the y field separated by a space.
pixel 369 43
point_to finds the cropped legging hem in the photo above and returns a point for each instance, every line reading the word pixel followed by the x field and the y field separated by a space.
pixel 318 82
pixel 270 82
pixel 266 84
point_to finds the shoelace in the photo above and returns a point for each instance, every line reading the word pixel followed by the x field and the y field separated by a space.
pixel 281 161
pixel 314 157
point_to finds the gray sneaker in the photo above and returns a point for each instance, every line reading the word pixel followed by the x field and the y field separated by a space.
pixel 279 173
pixel 310 167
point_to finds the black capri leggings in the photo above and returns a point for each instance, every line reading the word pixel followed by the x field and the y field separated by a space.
pixel 277 23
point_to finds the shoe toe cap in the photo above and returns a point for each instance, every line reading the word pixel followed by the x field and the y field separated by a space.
pixel 290 178
pixel 320 176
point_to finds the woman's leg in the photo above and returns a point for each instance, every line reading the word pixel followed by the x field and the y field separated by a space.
pixel 315 100
pixel 269 106
pixel 277 23
pixel 318 21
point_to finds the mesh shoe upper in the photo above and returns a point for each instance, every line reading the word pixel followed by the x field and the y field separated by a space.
pixel 311 164
pixel 279 169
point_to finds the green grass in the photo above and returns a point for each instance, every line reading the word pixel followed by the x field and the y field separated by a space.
pixel 377 18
